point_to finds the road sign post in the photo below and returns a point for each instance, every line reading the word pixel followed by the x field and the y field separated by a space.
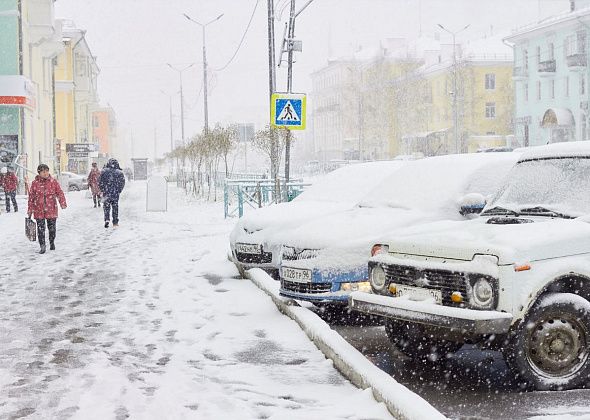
pixel 288 110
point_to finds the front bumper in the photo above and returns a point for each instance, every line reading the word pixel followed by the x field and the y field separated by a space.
pixel 430 314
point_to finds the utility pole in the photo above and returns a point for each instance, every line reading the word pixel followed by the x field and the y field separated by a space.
pixel 454 102
pixel 180 71
pixel 290 41
pixel 205 103
pixel 155 143
pixel 272 84
pixel 290 37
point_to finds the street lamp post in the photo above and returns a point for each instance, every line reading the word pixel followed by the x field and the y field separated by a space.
pixel 181 98
pixel 455 113
pixel 171 121
pixel 205 105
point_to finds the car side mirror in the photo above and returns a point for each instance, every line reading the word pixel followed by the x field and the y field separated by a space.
pixel 473 203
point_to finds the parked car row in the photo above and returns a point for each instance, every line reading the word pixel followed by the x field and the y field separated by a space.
pixel 490 249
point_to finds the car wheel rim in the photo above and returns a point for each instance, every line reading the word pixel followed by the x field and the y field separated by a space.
pixel 557 346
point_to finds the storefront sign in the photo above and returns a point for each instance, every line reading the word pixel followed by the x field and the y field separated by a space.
pixel 17 91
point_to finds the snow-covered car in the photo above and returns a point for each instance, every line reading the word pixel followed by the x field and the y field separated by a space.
pixel 516 279
pixel 336 191
pixel 76 182
pixel 324 260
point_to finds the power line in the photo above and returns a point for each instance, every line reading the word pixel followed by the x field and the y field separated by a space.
pixel 242 40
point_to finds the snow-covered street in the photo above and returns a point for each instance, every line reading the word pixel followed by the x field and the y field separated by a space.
pixel 150 321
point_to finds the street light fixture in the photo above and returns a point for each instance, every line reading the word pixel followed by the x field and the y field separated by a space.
pixel 455 116
pixel 181 97
pixel 205 106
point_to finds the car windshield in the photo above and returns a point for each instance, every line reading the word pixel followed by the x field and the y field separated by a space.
pixel 548 187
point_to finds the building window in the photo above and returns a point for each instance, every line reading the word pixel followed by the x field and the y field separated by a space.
pixel 538 55
pixel 567 86
pixel 526 92
pixel 538 91
pixel 490 81
pixel 552 86
pixel 491 133
pixel 551 51
pixel 525 59
pixel 582 85
pixel 490 110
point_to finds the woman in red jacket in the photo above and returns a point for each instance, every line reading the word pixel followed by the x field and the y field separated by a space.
pixel 43 194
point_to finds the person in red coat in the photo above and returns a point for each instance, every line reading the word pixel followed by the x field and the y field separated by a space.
pixel 44 193
pixel 10 184
pixel 93 177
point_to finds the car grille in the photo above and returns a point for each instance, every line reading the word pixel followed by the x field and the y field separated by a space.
pixel 264 258
pixel 310 288
pixel 445 281
pixel 291 254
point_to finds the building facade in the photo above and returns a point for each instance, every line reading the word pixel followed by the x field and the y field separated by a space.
pixel 458 104
pixel 77 99
pixel 551 78
pixel 30 39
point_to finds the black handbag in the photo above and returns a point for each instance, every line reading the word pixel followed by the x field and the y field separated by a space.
pixel 30 229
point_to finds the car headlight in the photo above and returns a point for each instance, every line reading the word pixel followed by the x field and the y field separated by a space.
pixel 361 286
pixel 482 293
pixel 378 278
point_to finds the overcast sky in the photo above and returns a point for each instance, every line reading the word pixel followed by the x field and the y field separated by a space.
pixel 134 39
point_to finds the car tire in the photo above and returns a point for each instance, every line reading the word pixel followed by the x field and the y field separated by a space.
pixel 413 341
pixel 550 349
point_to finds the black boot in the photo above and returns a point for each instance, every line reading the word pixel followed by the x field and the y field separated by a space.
pixel 106 224
pixel 42 250
pixel 51 246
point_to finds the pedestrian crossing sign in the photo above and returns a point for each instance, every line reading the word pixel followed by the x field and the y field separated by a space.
pixel 288 110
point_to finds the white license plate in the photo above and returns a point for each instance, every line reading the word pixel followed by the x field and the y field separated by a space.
pixel 296 275
pixel 249 248
pixel 418 293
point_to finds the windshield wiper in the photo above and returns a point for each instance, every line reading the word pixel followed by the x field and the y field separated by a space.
pixel 542 211
pixel 500 211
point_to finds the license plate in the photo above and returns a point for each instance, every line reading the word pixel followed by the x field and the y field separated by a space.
pixel 296 275
pixel 418 293
pixel 249 248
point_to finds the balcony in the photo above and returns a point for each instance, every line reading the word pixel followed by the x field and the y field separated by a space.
pixel 547 68
pixel 576 61
pixel 520 73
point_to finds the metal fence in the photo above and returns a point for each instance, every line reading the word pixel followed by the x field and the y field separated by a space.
pixel 257 193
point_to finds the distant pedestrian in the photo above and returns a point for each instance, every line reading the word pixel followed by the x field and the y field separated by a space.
pixel 111 184
pixel 10 184
pixel 93 177
pixel 44 193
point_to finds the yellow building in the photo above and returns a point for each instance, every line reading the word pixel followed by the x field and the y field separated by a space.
pixel 482 107
pixel 76 99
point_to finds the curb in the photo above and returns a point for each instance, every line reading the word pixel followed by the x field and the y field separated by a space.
pixel 402 403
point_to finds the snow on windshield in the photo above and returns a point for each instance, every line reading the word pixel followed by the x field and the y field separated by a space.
pixel 440 181
pixel 559 185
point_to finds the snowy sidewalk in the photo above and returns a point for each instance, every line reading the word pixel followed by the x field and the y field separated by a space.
pixel 149 321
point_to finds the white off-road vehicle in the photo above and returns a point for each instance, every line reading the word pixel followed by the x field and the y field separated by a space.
pixel 517 278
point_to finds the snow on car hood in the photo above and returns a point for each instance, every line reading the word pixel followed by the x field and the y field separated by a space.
pixel 512 243
pixel 350 228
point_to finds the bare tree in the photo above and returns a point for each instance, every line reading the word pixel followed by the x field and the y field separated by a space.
pixel 271 142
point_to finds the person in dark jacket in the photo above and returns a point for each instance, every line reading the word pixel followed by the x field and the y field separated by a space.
pixel 111 184
pixel 10 184
pixel 44 193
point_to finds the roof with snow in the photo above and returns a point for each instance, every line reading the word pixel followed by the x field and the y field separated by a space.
pixel 566 149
